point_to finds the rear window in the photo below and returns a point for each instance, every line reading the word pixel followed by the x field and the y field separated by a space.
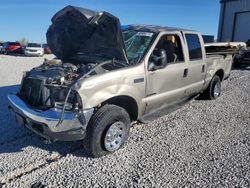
pixel 194 46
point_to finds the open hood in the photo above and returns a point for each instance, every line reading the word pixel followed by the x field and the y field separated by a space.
pixel 77 30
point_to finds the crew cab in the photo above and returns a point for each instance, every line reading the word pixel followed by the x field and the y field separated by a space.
pixel 106 77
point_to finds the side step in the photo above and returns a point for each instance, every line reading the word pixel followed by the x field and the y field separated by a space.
pixel 165 110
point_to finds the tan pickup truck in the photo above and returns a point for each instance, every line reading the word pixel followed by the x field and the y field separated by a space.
pixel 107 76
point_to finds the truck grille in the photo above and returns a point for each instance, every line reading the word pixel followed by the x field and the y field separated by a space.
pixel 37 94
pixel 31 92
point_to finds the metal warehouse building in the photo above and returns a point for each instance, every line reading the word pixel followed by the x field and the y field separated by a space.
pixel 234 20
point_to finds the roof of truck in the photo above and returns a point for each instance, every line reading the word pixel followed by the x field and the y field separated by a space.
pixel 153 28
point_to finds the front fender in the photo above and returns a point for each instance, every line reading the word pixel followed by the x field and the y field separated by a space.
pixel 96 93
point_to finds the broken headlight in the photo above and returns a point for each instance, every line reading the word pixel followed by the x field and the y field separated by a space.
pixel 60 105
pixel 65 98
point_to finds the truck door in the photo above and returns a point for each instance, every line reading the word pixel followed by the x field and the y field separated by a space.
pixel 196 63
pixel 165 75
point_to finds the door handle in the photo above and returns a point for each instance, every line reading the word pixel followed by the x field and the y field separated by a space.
pixel 185 72
pixel 203 68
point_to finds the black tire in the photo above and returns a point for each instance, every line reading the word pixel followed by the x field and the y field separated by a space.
pixel 100 124
pixel 210 93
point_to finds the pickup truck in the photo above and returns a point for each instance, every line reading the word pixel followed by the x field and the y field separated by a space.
pixel 107 76
pixel 243 57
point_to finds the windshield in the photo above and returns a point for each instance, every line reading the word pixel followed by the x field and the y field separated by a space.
pixel 136 44
pixel 34 45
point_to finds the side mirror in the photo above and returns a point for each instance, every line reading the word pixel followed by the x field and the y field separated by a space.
pixel 157 61
pixel 151 66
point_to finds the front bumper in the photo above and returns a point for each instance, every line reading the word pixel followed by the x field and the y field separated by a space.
pixel 36 53
pixel 47 123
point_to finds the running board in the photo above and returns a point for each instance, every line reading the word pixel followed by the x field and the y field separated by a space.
pixel 165 110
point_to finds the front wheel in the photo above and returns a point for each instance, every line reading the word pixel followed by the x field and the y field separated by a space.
pixel 107 131
pixel 214 89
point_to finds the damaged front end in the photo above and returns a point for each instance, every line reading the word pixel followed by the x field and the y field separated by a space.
pixel 47 105
pixel 86 43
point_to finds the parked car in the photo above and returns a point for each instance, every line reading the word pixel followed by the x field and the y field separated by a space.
pixel 1 46
pixel 46 48
pixel 34 49
pixel 248 43
pixel 244 56
pixel 110 78
pixel 11 47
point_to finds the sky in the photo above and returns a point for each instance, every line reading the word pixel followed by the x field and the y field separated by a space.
pixel 31 19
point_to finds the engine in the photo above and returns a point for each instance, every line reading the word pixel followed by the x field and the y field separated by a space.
pixel 48 85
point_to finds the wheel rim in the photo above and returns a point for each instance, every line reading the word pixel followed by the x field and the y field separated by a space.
pixel 217 89
pixel 114 137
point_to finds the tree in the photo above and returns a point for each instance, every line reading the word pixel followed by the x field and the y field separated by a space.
pixel 23 41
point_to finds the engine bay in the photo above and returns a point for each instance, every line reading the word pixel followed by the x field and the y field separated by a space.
pixel 49 85
pixel 64 74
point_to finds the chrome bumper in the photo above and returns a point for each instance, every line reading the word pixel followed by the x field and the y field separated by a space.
pixel 47 123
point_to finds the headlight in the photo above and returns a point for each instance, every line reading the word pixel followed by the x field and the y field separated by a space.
pixel 58 99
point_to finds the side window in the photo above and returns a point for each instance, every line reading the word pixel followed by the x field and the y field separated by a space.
pixel 175 42
pixel 194 46
pixel 171 45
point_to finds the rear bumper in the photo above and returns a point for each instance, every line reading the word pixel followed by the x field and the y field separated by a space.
pixel 47 123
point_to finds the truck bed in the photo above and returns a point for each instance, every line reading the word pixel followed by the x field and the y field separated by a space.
pixel 218 62
pixel 223 48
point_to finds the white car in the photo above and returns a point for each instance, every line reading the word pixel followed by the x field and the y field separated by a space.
pixel 34 49
pixel 1 47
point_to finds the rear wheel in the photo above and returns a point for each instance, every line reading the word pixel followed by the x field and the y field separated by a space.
pixel 107 131
pixel 214 89
pixel 236 63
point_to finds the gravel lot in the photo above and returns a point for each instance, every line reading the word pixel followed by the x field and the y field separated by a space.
pixel 203 144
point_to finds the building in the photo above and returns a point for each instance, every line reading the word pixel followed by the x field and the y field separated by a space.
pixel 234 21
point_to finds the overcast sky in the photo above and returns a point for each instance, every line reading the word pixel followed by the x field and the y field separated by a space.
pixel 31 19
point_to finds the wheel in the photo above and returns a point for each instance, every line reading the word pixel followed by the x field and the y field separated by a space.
pixel 107 131
pixel 214 89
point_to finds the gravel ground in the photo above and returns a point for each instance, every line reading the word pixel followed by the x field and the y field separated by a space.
pixel 203 144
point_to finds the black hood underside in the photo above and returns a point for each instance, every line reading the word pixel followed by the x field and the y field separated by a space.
pixel 75 31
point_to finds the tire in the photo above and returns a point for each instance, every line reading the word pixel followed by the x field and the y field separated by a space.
pixel 108 122
pixel 214 89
